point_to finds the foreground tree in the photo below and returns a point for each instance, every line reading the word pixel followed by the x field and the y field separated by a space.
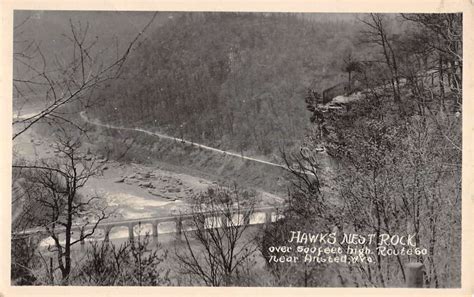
pixel 377 32
pixel 221 241
pixel 442 34
pixel 64 82
pixel 52 202
pixel 133 263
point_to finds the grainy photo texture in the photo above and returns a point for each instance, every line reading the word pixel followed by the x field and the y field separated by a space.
pixel 236 149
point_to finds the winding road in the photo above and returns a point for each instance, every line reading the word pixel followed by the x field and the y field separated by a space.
pixel 164 136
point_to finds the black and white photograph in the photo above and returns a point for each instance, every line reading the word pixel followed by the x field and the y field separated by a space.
pixel 236 149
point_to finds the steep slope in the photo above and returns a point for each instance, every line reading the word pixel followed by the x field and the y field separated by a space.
pixel 231 80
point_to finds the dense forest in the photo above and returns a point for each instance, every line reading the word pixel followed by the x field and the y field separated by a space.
pixel 230 80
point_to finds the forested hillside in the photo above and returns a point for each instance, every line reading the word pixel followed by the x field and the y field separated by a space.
pixel 397 152
pixel 341 132
pixel 230 80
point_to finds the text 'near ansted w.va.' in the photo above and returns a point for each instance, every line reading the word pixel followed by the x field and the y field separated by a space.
pixel 343 248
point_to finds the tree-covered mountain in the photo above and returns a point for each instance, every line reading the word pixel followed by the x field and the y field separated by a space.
pixel 231 80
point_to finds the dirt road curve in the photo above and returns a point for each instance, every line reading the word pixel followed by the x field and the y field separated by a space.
pixel 184 141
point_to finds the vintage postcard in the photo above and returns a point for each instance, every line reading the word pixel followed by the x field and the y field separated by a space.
pixel 273 149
